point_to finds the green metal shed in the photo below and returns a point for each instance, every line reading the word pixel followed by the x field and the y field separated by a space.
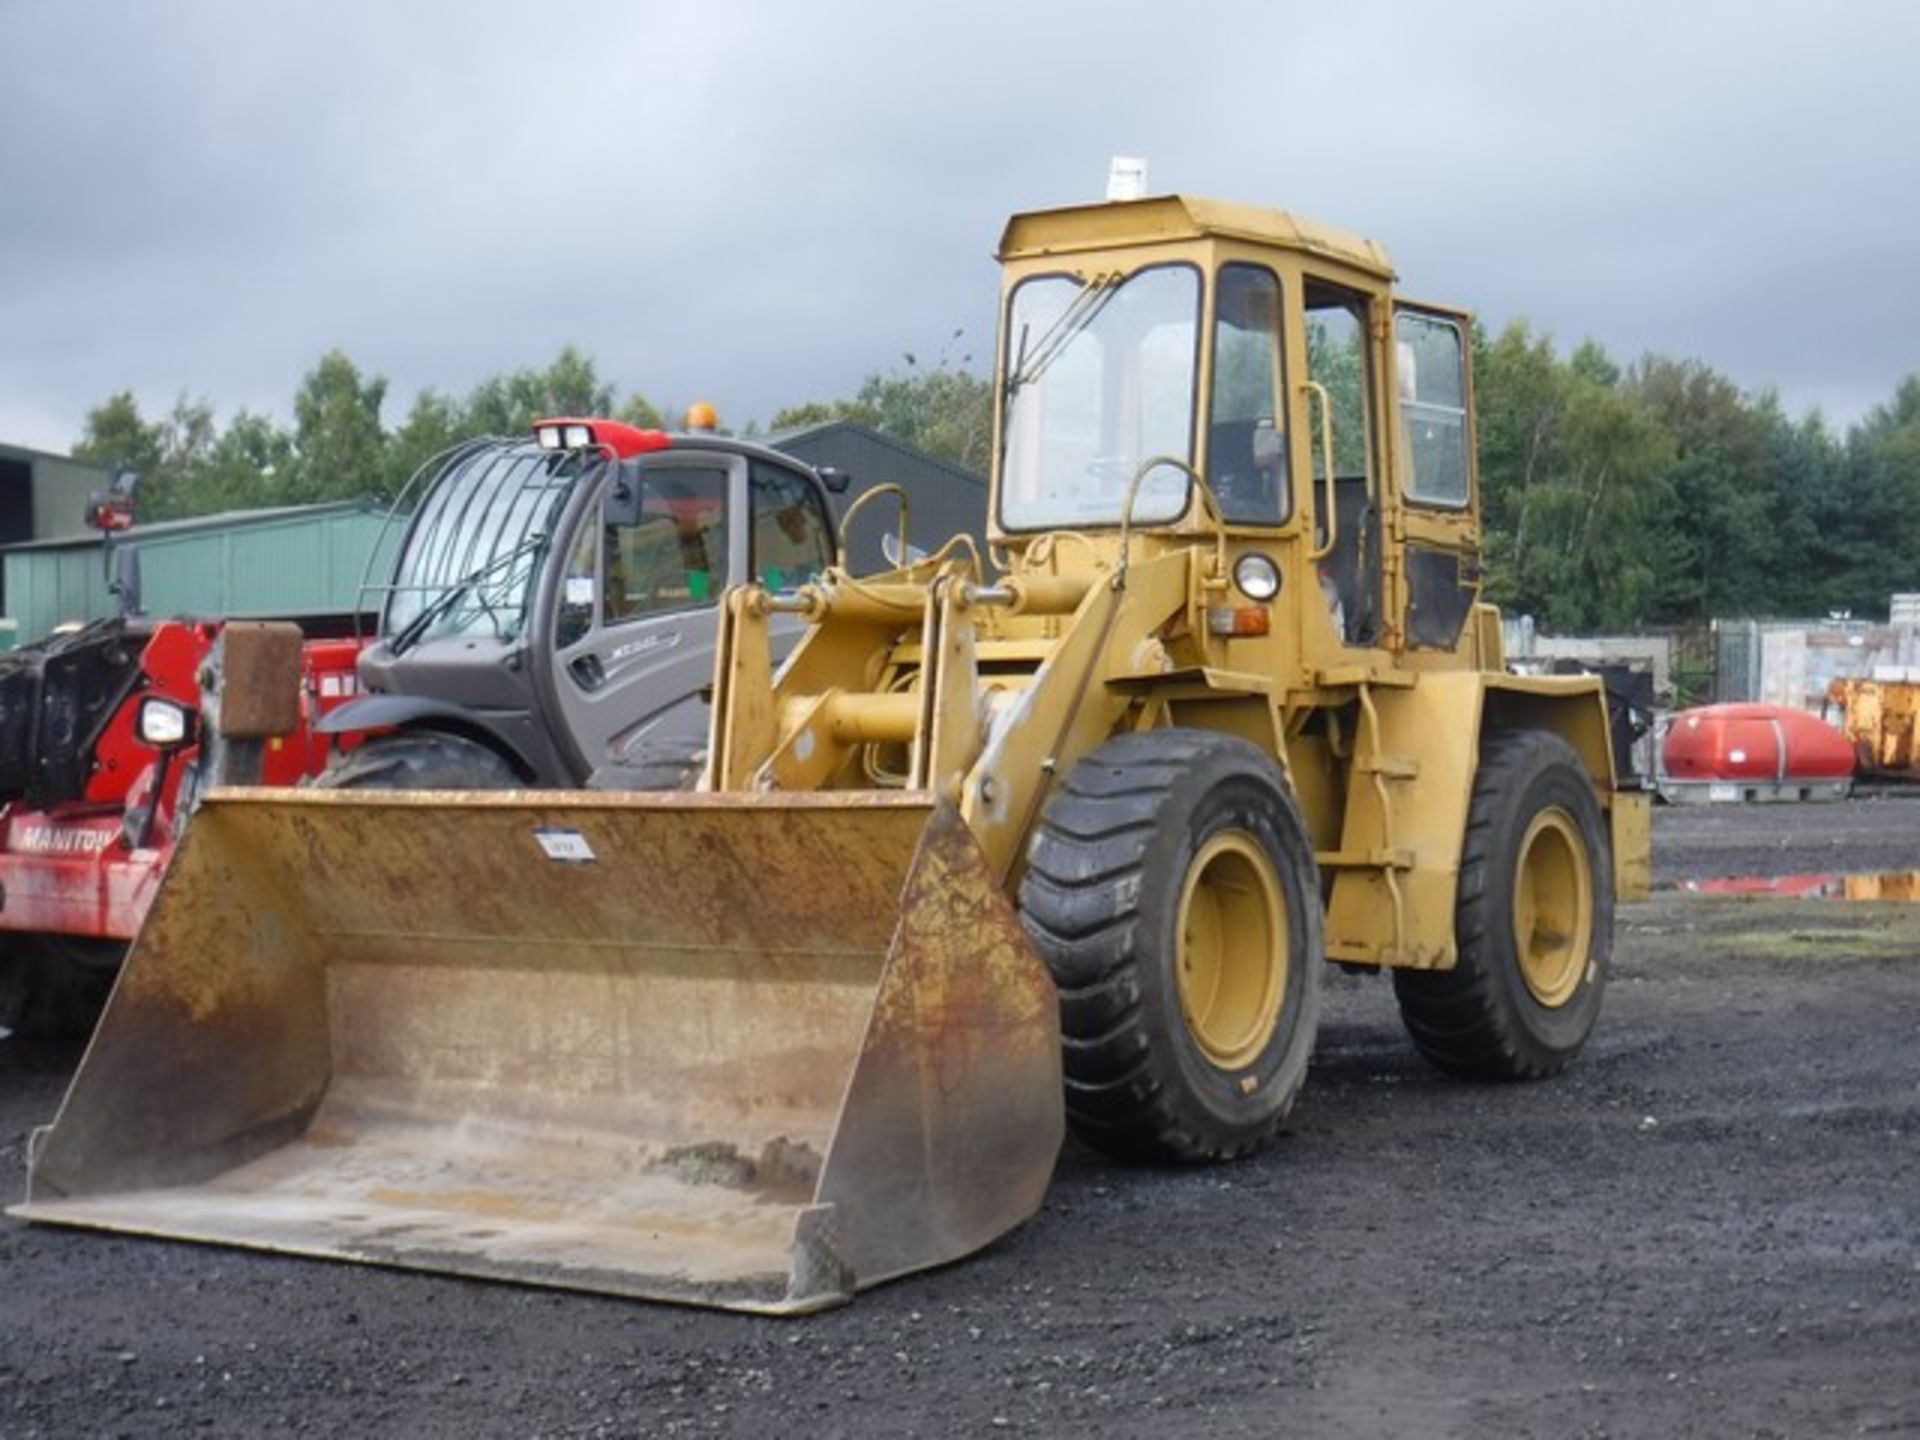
pixel 289 563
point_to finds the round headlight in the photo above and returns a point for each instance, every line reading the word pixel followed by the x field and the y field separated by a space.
pixel 1257 576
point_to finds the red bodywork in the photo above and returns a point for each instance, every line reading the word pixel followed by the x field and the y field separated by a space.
pixel 1757 744
pixel 68 870
pixel 625 441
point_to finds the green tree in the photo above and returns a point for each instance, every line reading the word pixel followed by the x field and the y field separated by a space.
pixel 1869 540
pixel 339 447
pixel 942 409
pixel 242 468
pixel 639 411
pixel 116 436
pixel 171 455
pixel 434 425
pixel 1517 390
pixel 1580 515
pixel 509 404
pixel 1726 483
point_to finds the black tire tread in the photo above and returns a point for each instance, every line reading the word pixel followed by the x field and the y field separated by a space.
pixel 653 765
pixel 419 760
pixel 1458 1018
pixel 1078 900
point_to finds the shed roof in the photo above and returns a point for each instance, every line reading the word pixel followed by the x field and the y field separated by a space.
pixel 199 524
pixel 783 439
pixel 27 452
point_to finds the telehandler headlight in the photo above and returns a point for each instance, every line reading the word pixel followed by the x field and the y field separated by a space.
pixel 163 724
pixel 1257 576
pixel 563 437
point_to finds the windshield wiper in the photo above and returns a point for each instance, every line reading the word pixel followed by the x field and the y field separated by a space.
pixel 1081 312
pixel 410 634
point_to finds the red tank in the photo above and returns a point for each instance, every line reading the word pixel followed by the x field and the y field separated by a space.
pixel 1754 752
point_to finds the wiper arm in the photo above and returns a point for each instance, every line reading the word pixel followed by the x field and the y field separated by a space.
pixel 1081 312
pixel 410 634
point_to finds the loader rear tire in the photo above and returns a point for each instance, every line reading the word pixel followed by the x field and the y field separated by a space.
pixel 420 760
pixel 1533 920
pixel 1171 890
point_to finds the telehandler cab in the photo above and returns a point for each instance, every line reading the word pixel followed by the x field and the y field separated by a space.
pixel 1061 833
pixel 550 613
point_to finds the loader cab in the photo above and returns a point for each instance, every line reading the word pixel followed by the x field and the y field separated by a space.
pixel 1330 422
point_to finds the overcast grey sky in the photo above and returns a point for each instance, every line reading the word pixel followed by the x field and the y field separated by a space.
pixel 757 204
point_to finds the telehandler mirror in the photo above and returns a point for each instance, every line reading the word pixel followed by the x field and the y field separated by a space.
pixel 834 479
pixel 622 503
pixel 124 586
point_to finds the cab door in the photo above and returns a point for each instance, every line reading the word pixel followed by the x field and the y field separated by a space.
pixel 1342 384
pixel 1438 522
pixel 636 619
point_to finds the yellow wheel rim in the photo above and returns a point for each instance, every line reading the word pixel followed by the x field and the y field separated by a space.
pixel 1233 949
pixel 1553 907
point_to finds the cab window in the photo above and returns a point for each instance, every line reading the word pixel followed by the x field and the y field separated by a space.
pixel 1431 379
pixel 1246 456
pixel 674 556
pixel 792 536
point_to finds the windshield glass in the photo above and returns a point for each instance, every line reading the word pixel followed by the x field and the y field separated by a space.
pixel 478 540
pixel 1100 377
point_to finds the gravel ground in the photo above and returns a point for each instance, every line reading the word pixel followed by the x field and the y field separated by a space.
pixel 1707 842
pixel 1710 1225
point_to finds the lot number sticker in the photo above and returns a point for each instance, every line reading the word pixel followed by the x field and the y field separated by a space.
pixel 569 847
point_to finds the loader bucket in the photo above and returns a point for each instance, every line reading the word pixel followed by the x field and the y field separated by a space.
pixel 746 1051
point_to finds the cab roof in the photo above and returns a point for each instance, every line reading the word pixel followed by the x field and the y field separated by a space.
pixel 1181 217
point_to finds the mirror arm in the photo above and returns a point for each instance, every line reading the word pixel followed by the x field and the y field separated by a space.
pixel 846 520
pixel 1194 479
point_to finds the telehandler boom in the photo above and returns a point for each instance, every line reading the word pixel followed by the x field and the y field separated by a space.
pixel 1059 834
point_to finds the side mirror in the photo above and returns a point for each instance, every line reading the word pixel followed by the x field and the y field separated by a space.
pixel 165 725
pixel 621 504
pixel 890 548
pixel 125 584
pixel 835 480
pixel 1269 447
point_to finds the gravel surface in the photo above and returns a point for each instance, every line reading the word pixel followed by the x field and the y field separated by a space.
pixel 1709 842
pixel 1710 1225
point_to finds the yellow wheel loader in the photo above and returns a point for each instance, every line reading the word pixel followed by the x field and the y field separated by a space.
pixel 1061 833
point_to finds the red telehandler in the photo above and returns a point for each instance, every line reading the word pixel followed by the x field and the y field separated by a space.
pixel 98 730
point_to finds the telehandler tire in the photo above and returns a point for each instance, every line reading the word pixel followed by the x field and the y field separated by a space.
pixel 1172 892
pixel 654 765
pixel 53 987
pixel 419 760
pixel 1533 920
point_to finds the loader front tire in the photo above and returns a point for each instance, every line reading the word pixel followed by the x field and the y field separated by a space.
pixel 1533 920
pixel 1172 892
pixel 419 760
